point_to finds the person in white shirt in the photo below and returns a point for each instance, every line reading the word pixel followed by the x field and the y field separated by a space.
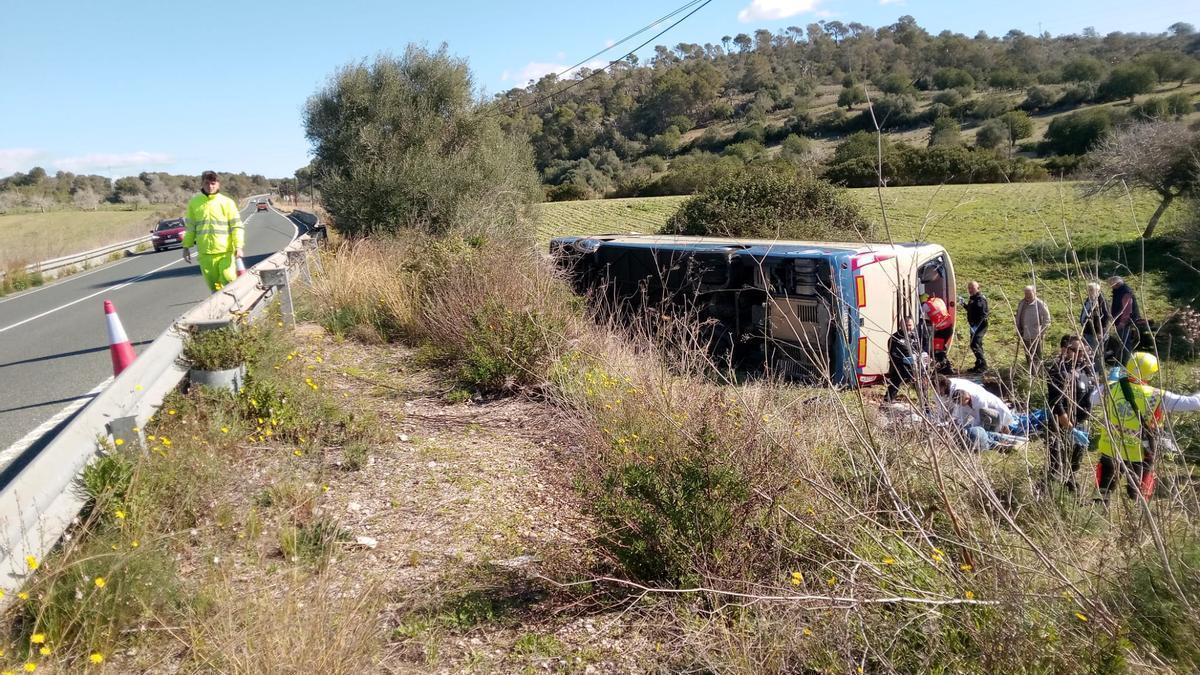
pixel 983 417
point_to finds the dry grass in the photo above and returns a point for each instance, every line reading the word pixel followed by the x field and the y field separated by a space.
pixel 33 237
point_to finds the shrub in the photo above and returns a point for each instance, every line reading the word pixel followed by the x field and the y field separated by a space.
pixel 953 78
pixel 770 204
pixel 1078 132
pixel 507 348
pixel 221 348
pixel 1039 98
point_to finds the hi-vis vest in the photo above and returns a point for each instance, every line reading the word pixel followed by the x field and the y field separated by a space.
pixel 1121 430
pixel 939 317
pixel 213 225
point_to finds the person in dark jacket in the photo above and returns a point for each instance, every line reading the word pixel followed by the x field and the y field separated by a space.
pixel 1070 381
pixel 904 354
pixel 977 321
pixel 1126 316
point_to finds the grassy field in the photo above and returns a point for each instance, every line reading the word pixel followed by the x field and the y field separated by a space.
pixel 32 237
pixel 1005 236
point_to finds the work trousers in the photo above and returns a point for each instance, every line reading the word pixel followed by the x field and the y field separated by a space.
pixel 977 347
pixel 218 270
pixel 1139 476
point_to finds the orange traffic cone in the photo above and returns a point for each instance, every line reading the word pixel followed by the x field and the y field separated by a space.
pixel 241 267
pixel 118 342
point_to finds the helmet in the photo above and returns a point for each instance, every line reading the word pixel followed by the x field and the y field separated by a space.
pixel 924 297
pixel 1142 366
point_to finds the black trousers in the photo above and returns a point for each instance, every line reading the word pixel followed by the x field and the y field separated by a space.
pixel 895 380
pixel 1110 467
pixel 977 347
pixel 1065 455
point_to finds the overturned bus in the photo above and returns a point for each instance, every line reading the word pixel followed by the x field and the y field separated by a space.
pixel 812 311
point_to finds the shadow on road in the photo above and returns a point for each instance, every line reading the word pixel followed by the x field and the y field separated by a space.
pixel 60 355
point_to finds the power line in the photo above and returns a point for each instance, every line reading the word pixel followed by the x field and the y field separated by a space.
pixel 699 5
pixel 629 37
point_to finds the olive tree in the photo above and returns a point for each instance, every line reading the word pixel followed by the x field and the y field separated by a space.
pixel 402 142
pixel 1159 156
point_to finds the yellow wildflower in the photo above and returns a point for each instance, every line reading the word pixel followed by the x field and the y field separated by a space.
pixel 119 514
pixel 29 667
pixel 171 411
pixel 44 651
pixel 889 561
pixel 96 658
pixel 969 595
pixel 1081 617
pixel 119 442
pixel 31 561
pixel 166 441
pixel 966 567
pixel 224 430
pixel 100 582
pixel 22 595
pixel 832 581
pixel 134 544
pixel 297 452
pixel 797 578
pixel 807 632
pixel 38 638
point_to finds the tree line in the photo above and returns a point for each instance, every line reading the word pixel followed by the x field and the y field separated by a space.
pixel 615 132
pixel 38 190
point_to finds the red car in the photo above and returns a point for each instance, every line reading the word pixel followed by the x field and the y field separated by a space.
pixel 168 233
pixel 262 206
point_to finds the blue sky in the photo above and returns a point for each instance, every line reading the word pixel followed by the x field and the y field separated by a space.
pixel 120 87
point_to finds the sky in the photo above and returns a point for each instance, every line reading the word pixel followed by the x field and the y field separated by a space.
pixel 125 86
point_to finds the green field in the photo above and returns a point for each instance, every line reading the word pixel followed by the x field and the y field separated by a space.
pixel 33 237
pixel 1005 236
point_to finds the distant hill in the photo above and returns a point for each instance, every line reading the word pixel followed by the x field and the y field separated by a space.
pixel 956 108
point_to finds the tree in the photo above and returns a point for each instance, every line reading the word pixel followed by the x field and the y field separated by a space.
pixel 1018 125
pixel 945 131
pixel 849 96
pixel 1083 69
pixel 1158 156
pixel 991 135
pixel 953 78
pixel 1126 81
pixel 86 199
pixel 1076 133
pixel 401 142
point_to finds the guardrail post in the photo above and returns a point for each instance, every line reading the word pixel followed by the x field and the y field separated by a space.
pixel 124 429
pixel 296 259
pixel 278 278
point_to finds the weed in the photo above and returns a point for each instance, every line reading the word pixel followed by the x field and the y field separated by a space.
pixel 312 542
pixel 221 348
pixel 456 396
pixel 106 482
pixel 354 456
pixel 538 645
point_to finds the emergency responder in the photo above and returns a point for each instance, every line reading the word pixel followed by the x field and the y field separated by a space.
pixel 214 226
pixel 904 356
pixel 1132 416
pixel 934 310
pixel 1070 382
pixel 977 321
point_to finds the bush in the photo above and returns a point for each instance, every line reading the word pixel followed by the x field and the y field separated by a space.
pixel 770 204
pixel 1039 98
pixel 219 349
pixel 953 78
pixel 507 348
pixel 1078 132
pixel 402 143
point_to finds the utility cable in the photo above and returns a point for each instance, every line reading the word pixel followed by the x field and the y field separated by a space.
pixel 699 5
pixel 629 37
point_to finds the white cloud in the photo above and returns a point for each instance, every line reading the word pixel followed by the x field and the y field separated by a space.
pixel 892 2
pixel 770 10
pixel 536 70
pixel 13 160
pixel 105 161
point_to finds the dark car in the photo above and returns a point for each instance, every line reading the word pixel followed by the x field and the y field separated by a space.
pixel 262 206
pixel 167 233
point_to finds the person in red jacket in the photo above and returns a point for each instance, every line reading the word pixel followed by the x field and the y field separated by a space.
pixel 941 321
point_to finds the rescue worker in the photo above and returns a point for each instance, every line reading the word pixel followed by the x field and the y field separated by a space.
pixel 1070 382
pixel 941 321
pixel 977 322
pixel 1133 415
pixel 904 355
pixel 213 225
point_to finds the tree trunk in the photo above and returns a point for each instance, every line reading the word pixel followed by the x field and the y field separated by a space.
pixel 1166 201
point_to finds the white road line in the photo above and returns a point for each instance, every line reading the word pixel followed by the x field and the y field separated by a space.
pixel 102 291
pixel 13 451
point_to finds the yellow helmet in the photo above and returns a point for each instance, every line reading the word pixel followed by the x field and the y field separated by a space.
pixel 1142 366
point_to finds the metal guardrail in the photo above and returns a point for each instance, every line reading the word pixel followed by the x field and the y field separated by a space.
pixel 54 266
pixel 41 502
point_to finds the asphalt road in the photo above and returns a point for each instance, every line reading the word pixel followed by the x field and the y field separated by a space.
pixel 53 341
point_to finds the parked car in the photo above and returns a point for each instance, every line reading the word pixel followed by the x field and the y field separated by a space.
pixel 167 233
